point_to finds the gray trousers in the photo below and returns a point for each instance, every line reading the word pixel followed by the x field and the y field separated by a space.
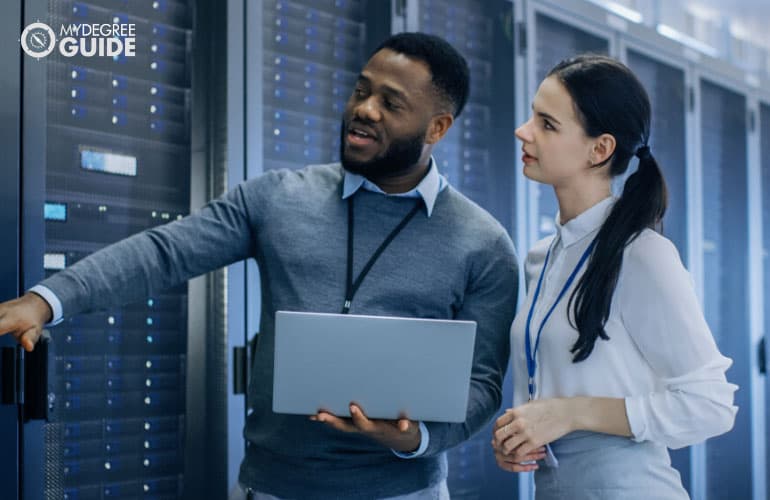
pixel 435 492
pixel 603 467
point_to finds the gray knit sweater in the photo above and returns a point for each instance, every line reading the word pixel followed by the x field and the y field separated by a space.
pixel 457 264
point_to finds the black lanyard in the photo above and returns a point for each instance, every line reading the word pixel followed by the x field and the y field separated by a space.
pixel 352 287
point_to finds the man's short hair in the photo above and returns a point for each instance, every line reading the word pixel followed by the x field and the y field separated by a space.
pixel 449 69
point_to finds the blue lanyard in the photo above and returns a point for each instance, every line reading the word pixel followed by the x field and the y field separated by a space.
pixel 531 362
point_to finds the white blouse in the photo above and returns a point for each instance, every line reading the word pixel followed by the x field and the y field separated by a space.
pixel 661 357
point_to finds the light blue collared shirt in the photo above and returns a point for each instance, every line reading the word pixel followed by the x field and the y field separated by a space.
pixel 428 188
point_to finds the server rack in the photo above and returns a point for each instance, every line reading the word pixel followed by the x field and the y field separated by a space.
pixel 106 145
pixel 312 53
pixel 115 132
pixel 10 284
pixel 665 85
pixel 477 152
pixel 725 244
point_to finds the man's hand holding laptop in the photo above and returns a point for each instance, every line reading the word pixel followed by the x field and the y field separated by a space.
pixel 402 435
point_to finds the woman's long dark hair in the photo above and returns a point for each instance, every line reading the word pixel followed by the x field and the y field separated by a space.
pixel 609 99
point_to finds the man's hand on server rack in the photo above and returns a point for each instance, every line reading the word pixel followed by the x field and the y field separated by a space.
pixel 24 319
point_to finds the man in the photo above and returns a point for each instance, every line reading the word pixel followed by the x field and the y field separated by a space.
pixel 449 259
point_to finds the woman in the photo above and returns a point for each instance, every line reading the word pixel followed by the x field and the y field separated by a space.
pixel 633 368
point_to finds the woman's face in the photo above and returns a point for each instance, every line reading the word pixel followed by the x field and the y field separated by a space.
pixel 555 146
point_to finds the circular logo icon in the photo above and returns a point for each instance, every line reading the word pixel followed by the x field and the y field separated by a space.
pixel 38 40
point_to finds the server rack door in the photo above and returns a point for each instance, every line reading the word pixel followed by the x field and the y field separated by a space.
pixel 477 157
pixel 764 353
pixel 116 141
pixel 234 296
pixel 554 41
pixel 725 249
pixel 313 52
pixel 665 85
pixel 476 154
pixel 10 145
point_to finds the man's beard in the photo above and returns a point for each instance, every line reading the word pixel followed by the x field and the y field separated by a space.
pixel 400 156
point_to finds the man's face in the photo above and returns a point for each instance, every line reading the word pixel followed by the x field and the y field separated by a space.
pixel 386 119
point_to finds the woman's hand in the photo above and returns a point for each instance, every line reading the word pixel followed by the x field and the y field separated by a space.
pixel 510 464
pixel 524 430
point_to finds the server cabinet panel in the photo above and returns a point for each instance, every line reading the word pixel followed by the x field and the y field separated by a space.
pixel 117 147
pixel 665 86
pixel 725 248
pixel 10 144
pixel 478 153
pixel 313 52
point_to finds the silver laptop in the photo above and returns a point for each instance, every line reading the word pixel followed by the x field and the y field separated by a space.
pixel 392 367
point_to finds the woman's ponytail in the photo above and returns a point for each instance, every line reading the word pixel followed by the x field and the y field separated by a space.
pixel 609 99
pixel 641 206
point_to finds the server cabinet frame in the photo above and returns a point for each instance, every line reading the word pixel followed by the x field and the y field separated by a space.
pixel 10 243
pixel 244 160
pixel 720 73
pixel 756 297
pixel 761 130
pixel 758 97
pixel 205 474
pixel 522 111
